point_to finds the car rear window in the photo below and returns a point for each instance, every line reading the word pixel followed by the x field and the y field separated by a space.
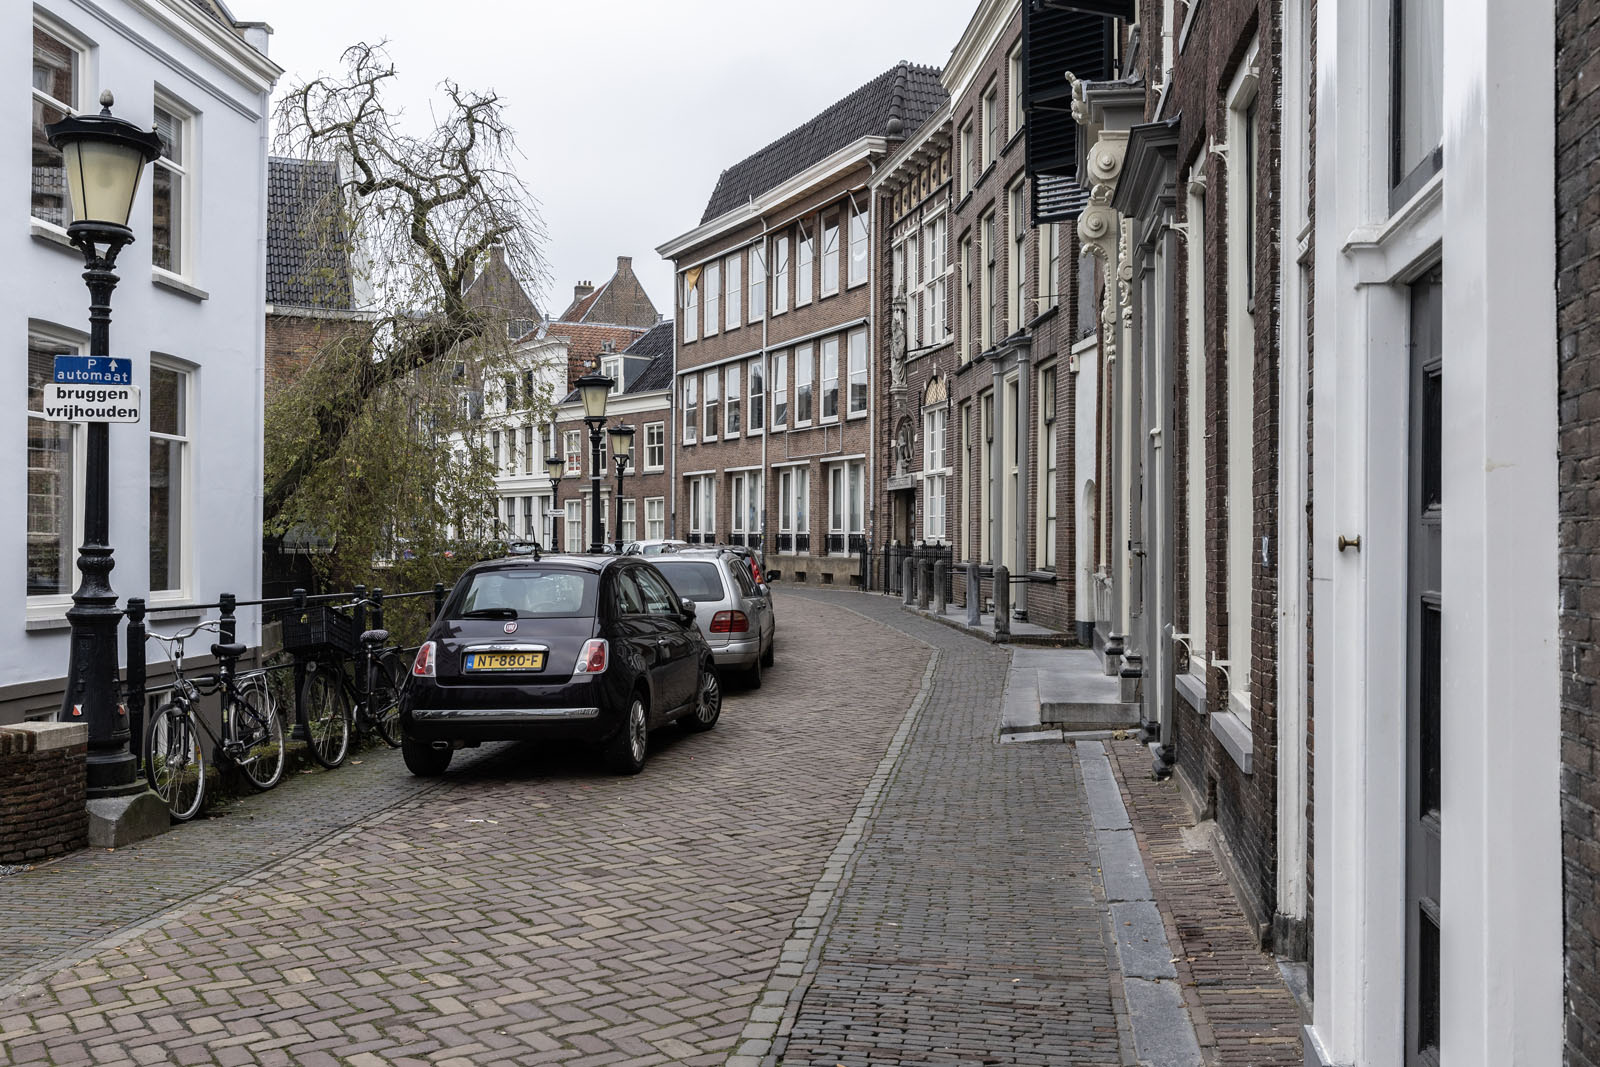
pixel 532 592
pixel 699 582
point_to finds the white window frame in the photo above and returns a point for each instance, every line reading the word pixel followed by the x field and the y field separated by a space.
pixel 1195 445
pixel 691 407
pixel 967 172
pixel 794 504
pixel 1018 265
pixel 1014 76
pixel 611 367
pixel 527 449
pixel 988 237
pixel 913 288
pixel 711 385
pixel 1241 357
pixel 655 447
pixel 830 252
pixel 937 257
pixel 989 119
pixel 691 310
pixel 756 419
pixel 732 271
pixel 860 248
pixel 830 379
pixel 856 353
pixel 805 267
pixel 805 359
pixel 184 181
pixel 935 471
pixel 780 274
pixel 968 321
pixel 780 391
pixel 703 507
pixel 51 605
pixel 1049 433
pixel 732 400
pixel 655 518
pixel 572 453
pixel 574 525
pixel 758 281
pixel 80 88
pixel 711 278
pixel 1049 265
pixel 736 501
pixel 628 529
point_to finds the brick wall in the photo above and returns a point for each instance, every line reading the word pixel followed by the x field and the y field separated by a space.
pixel 42 812
pixel 1578 295
pixel 291 342
pixel 1244 805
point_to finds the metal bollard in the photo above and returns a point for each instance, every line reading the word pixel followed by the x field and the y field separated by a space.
pixel 1002 601
pixel 908 577
pixel 924 582
pixel 133 686
pixel 974 594
pixel 938 586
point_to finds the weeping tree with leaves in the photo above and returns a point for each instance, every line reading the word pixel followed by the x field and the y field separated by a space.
pixel 378 442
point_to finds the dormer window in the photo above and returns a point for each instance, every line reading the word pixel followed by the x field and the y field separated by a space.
pixel 611 367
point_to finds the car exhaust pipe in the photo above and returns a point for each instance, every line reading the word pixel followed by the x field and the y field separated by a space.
pixel 441 746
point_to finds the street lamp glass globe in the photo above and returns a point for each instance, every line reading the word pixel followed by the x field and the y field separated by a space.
pixel 104 157
pixel 595 389
pixel 553 466
pixel 621 440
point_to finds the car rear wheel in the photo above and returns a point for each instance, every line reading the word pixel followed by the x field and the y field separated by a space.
pixel 752 674
pixel 425 761
pixel 771 653
pixel 708 704
pixel 626 751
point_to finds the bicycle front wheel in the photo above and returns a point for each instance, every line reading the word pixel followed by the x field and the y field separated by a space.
pixel 327 712
pixel 259 731
pixel 174 762
pixel 383 703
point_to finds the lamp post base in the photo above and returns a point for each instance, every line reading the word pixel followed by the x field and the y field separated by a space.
pixel 131 814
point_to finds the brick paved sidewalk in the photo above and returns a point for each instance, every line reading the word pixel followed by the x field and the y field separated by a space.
pixel 1243 1012
pixel 529 909
pixel 970 927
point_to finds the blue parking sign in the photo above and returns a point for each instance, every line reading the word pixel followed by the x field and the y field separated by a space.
pixel 93 370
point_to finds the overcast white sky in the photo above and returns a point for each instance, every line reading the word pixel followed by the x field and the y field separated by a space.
pixel 626 110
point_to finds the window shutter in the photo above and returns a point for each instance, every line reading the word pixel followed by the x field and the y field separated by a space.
pixel 1060 37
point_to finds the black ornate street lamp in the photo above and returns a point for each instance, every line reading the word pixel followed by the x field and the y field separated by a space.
pixel 595 390
pixel 104 158
pixel 552 467
pixel 622 453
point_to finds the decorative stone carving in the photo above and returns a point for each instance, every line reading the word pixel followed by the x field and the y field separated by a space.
pixel 897 342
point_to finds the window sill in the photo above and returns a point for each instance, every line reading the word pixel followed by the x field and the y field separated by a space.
pixel 1192 691
pixel 854 415
pixel 45 623
pixel 47 234
pixel 168 280
pixel 825 294
pixel 1234 733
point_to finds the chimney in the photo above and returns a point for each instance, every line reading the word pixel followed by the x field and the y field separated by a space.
pixel 624 265
pixel 581 290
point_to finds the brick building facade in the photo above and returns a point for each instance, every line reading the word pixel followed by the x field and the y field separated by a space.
pixel 774 389
pixel 1578 297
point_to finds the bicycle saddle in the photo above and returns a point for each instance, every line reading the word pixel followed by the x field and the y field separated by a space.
pixel 374 637
pixel 227 651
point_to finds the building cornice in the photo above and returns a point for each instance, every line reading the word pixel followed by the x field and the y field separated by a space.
pixel 818 174
pixel 935 129
pixel 977 41
pixel 228 50
pixel 1149 170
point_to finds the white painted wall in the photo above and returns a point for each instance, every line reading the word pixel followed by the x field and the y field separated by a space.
pixel 135 46
pixel 1501 906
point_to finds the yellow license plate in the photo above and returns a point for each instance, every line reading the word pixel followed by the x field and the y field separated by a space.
pixel 505 661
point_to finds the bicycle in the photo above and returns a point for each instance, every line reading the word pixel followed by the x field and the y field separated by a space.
pixel 251 737
pixel 332 704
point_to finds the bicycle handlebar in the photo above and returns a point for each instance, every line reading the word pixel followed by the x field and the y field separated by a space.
pixel 186 633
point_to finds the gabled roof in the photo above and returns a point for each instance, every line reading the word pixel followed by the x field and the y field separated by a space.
pixel 656 340
pixel 893 104
pixel 308 263
pixel 657 375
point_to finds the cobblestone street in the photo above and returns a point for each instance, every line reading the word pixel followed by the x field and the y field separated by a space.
pixel 848 870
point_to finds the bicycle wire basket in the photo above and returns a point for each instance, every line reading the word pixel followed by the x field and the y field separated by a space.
pixel 319 628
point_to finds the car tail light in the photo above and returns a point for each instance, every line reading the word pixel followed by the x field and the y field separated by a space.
pixel 592 660
pixel 730 622
pixel 422 666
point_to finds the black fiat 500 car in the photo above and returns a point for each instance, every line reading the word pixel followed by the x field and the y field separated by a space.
pixel 588 648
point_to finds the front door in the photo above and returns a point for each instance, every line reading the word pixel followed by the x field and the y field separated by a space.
pixel 905 504
pixel 1424 716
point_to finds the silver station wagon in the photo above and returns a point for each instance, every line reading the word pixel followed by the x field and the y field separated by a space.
pixel 733 612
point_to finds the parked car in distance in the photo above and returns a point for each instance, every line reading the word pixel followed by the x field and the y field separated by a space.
pixel 588 648
pixel 750 558
pixel 653 547
pixel 734 613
